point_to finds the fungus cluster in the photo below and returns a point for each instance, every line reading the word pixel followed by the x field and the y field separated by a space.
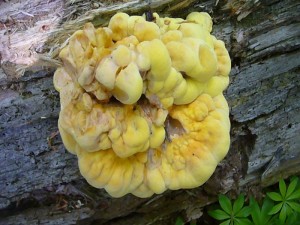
pixel 142 104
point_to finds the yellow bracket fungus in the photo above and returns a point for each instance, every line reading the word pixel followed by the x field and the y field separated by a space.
pixel 142 103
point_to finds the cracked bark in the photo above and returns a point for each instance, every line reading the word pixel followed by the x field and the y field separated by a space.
pixel 40 182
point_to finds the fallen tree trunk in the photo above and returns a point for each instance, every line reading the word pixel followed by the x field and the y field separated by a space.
pixel 40 181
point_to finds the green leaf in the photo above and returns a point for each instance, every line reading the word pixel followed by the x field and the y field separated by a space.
pixel 275 196
pixel 282 188
pixel 260 217
pixel 293 219
pixel 179 221
pixel 253 203
pixel 225 204
pixel 267 205
pixel 295 195
pixel 289 210
pixel 294 178
pixel 238 204
pixel 276 209
pixel 265 209
pixel 291 187
pixel 218 214
pixel 272 220
pixel 255 211
pixel 227 222
pixel 278 222
pixel 295 206
pixel 282 214
pixel 244 212
pixel 242 221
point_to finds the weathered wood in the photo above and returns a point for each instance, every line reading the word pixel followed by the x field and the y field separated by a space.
pixel 40 181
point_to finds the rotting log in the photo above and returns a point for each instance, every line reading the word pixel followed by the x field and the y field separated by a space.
pixel 40 181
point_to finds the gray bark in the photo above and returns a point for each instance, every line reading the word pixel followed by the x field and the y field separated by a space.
pixel 40 181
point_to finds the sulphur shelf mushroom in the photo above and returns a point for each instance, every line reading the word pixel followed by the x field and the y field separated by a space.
pixel 142 103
